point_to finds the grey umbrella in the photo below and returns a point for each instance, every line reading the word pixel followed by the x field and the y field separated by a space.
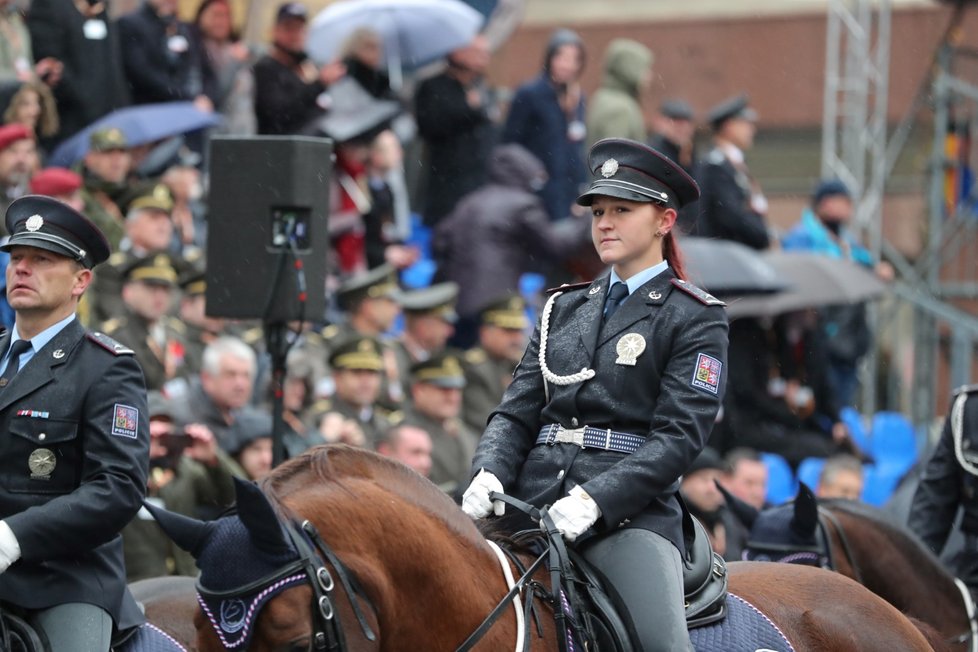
pixel 725 267
pixel 814 280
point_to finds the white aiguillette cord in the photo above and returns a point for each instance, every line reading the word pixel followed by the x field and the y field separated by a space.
pixel 549 376
pixel 517 601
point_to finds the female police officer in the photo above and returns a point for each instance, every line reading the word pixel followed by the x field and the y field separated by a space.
pixel 616 394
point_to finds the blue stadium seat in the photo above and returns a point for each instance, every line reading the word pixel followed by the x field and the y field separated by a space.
pixel 893 443
pixel 857 427
pixel 880 483
pixel 809 471
pixel 781 485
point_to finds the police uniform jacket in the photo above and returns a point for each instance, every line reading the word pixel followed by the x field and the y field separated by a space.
pixel 947 482
pixel 670 396
pixel 724 205
pixel 73 466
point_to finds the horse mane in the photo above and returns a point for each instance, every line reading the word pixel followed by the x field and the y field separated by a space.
pixel 915 550
pixel 338 463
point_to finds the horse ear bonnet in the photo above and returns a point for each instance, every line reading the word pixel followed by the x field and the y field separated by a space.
pixel 793 524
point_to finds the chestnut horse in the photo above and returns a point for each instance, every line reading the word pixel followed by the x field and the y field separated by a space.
pixel 858 542
pixel 385 561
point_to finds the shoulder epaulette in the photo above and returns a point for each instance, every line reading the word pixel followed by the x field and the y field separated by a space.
pixel 966 389
pixel 109 344
pixel 567 287
pixel 330 332
pixel 394 417
pixel 117 258
pixel 475 356
pixel 700 295
pixel 253 335
pixel 176 325
pixel 715 157
pixel 114 324
pixel 321 405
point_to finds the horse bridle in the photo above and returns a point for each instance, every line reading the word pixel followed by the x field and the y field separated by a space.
pixel 314 554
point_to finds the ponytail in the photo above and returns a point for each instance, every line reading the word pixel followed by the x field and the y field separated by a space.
pixel 673 255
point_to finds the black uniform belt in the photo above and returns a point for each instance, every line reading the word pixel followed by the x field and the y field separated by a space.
pixel 588 437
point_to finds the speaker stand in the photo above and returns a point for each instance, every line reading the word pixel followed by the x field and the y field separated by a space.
pixel 277 343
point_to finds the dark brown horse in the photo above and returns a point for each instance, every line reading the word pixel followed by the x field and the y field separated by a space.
pixel 400 567
pixel 858 542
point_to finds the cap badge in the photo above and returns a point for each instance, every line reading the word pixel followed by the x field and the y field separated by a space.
pixel 629 347
pixel 609 168
pixel 34 223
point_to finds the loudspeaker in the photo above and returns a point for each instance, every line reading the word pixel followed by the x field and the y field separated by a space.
pixel 268 206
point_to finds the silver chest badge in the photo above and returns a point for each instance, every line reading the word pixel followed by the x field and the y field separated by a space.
pixel 629 347
pixel 41 463
pixel 609 168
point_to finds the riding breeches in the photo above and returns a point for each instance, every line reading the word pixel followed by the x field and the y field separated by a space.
pixel 647 572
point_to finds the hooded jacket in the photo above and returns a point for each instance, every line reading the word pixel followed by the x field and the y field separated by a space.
pixel 615 110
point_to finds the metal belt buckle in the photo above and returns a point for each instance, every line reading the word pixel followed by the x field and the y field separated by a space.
pixel 571 436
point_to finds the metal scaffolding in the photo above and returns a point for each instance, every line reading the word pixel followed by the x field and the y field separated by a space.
pixel 855 149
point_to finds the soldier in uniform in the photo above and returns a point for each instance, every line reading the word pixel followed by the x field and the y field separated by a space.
pixel 106 169
pixel 732 205
pixel 73 460
pixel 489 366
pixel 429 322
pixel 357 364
pixel 950 481
pixel 156 337
pixel 616 395
pixel 436 407
pixel 199 329
pixel 148 228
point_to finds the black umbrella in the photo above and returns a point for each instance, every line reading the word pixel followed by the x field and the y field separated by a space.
pixel 725 267
pixel 815 280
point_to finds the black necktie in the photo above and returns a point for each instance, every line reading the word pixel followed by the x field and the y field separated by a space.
pixel 617 294
pixel 13 364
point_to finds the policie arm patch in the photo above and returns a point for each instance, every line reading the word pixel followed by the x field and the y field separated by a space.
pixel 125 421
pixel 706 376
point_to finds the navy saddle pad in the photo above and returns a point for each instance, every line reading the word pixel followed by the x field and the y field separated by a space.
pixel 744 628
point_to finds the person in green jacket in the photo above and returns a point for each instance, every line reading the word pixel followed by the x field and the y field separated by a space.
pixel 615 110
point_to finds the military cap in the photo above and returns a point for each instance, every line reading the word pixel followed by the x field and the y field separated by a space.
pixel 10 134
pixel 46 223
pixel 634 171
pixel 442 369
pixel 438 300
pixel 677 109
pixel 249 426
pixel 291 10
pixel 155 196
pixel 377 283
pixel 193 283
pixel 107 139
pixel 155 269
pixel 159 406
pixel 357 353
pixel 733 107
pixel 55 181
pixel 508 311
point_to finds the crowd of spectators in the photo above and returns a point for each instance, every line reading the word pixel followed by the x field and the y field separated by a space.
pixel 410 372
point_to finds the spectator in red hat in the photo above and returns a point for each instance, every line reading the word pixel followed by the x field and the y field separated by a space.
pixel 60 183
pixel 18 160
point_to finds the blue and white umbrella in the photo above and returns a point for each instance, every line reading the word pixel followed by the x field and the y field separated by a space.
pixel 414 32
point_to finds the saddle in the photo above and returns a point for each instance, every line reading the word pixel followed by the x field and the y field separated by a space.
pixel 18 635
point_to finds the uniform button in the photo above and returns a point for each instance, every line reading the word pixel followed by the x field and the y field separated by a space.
pixel 560 474
pixel 42 436
pixel 574 422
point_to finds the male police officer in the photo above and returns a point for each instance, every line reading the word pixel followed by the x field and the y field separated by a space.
pixel 73 459
pixel 950 480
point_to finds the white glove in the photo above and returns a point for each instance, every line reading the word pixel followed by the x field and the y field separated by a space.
pixel 575 513
pixel 475 500
pixel 9 548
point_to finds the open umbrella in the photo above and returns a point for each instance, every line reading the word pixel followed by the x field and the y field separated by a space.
pixel 725 267
pixel 414 32
pixel 815 280
pixel 141 124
